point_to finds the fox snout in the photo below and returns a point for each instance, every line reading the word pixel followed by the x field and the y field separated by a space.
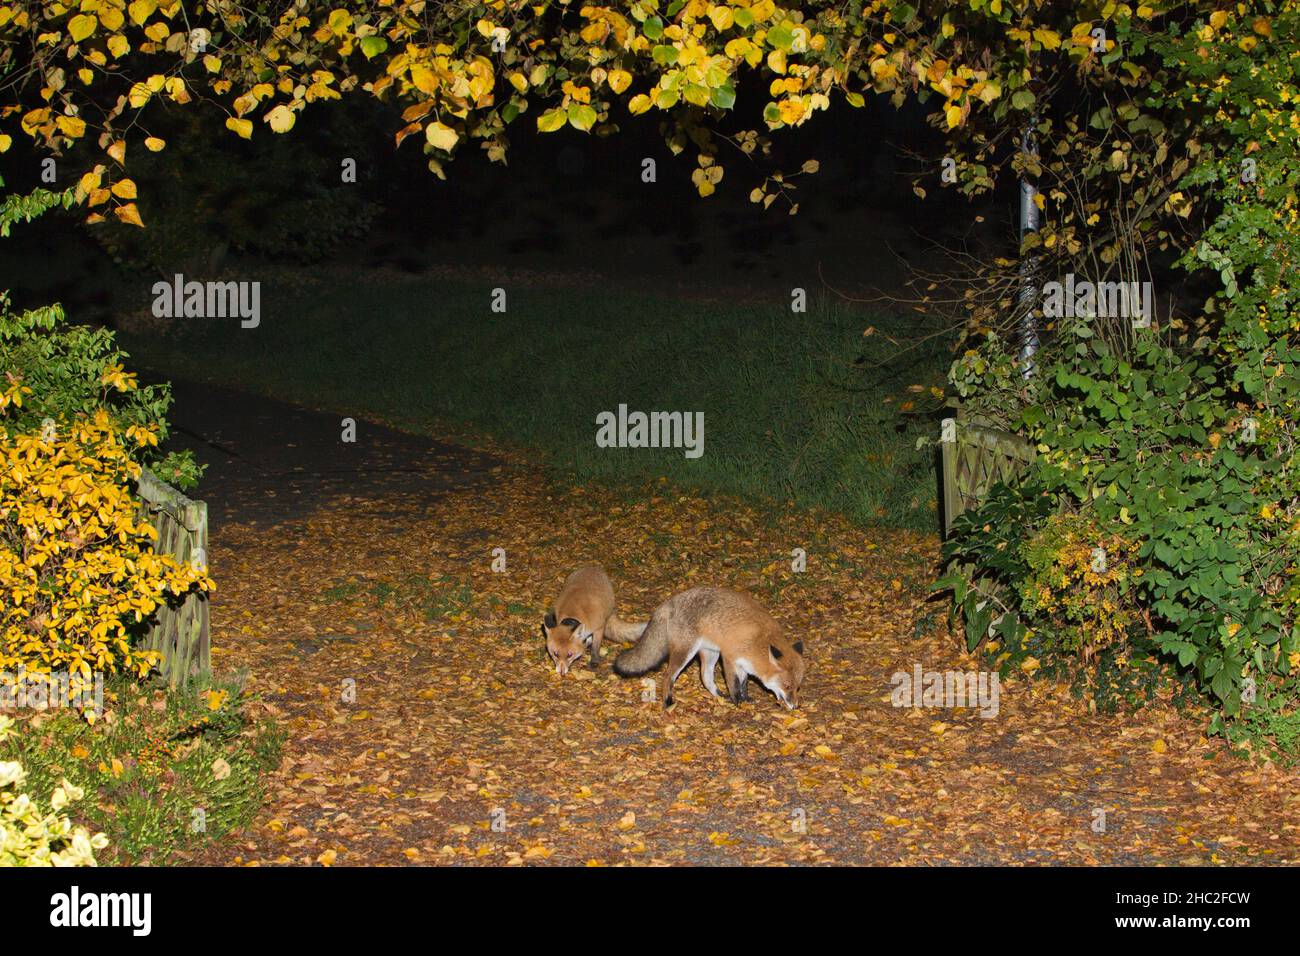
pixel 563 661
pixel 562 643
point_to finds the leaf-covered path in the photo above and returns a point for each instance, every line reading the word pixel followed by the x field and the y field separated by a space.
pixel 426 726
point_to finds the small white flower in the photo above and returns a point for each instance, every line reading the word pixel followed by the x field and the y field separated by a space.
pixel 11 773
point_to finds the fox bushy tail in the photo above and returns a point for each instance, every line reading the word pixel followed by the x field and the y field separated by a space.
pixel 650 651
pixel 624 632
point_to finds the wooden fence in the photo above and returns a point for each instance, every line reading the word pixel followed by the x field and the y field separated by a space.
pixel 974 458
pixel 180 633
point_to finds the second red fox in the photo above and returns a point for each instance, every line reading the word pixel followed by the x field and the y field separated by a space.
pixel 583 615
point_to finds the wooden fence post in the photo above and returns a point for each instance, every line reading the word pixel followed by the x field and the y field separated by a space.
pixel 179 633
pixel 977 458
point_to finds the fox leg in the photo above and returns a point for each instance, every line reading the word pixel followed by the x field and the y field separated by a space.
pixel 736 680
pixel 708 661
pixel 595 646
pixel 678 658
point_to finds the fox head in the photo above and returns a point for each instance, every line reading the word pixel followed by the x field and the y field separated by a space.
pixel 787 672
pixel 564 641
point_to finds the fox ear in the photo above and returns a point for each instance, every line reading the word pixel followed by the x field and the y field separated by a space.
pixel 572 622
pixel 776 652
pixel 798 648
pixel 549 622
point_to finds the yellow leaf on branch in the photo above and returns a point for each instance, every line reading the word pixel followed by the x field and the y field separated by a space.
pixel 81 26
pixel 140 10
pixel 552 120
pixel 619 80
pixel 441 136
pixel 129 214
pixel 71 126
pixel 281 119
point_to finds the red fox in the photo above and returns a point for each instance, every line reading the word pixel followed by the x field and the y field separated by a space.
pixel 713 622
pixel 583 615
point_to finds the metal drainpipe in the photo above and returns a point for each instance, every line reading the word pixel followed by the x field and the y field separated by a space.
pixel 1028 297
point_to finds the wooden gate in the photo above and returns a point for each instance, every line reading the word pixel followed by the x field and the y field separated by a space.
pixel 179 633
pixel 976 457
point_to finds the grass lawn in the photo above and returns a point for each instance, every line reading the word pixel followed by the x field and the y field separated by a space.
pixel 797 408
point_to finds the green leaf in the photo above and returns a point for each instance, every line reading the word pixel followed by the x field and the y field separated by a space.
pixel 781 36
pixel 723 97
pixel 664 55
pixel 581 116
pixel 372 46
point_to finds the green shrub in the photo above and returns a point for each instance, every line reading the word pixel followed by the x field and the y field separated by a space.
pixel 69 371
pixel 1142 462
